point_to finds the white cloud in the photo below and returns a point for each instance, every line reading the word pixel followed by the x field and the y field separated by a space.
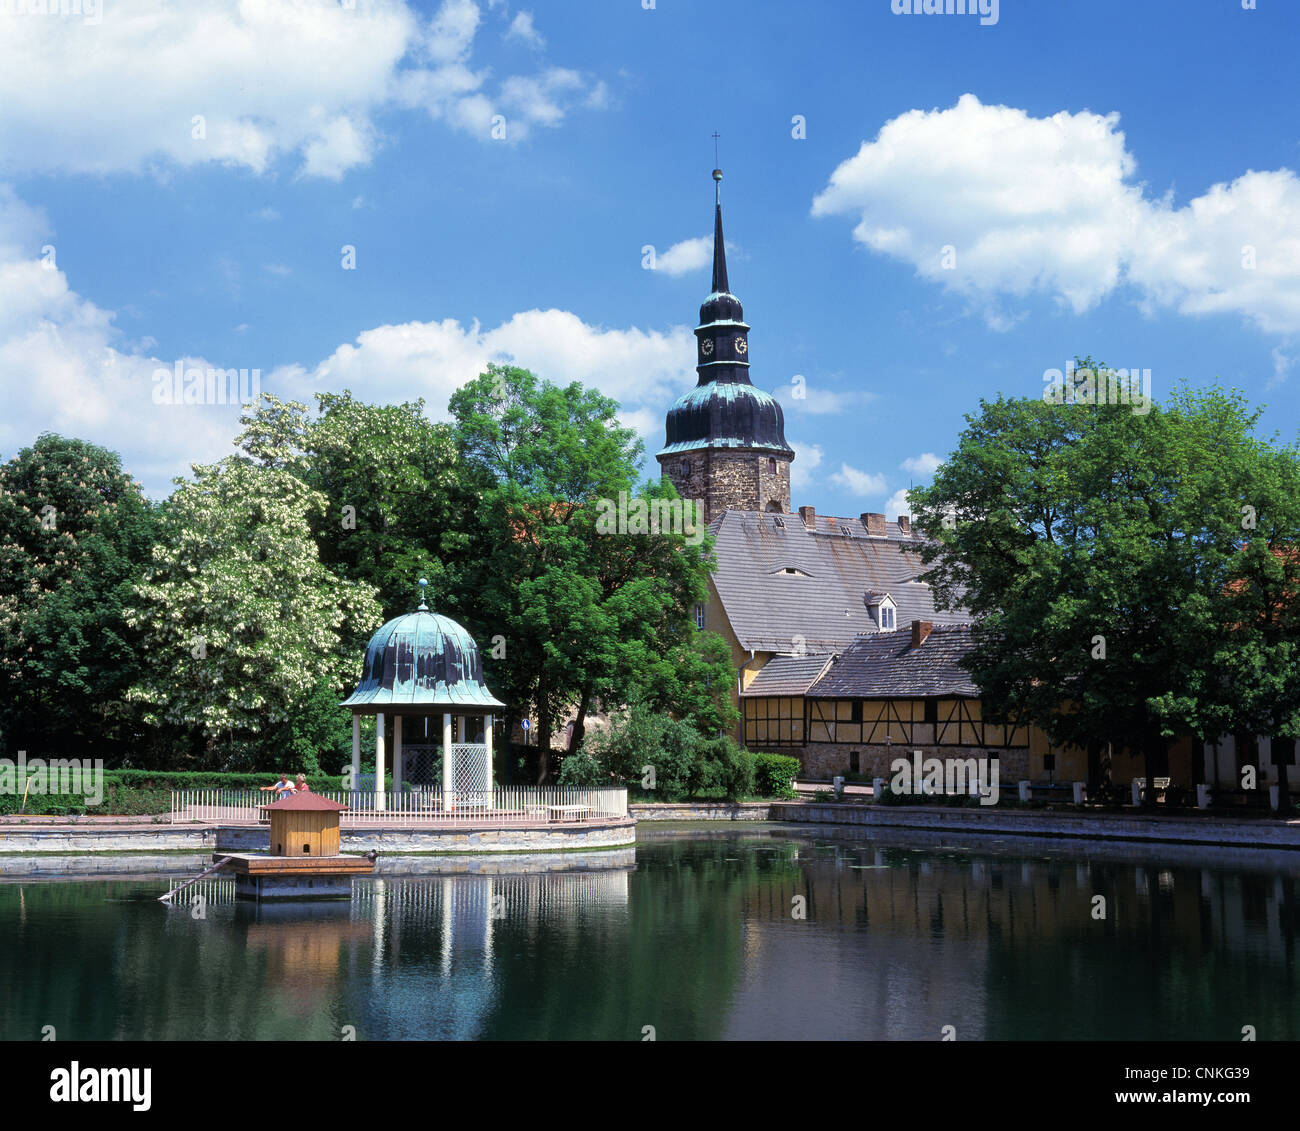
pixel 521 27
pixel 807 458
pixel 898 504
pixel 308 78
pixel 927 463
pixel 860 483
pixel 685 256
pixel 820 400
pixel 277 269
pixel 1029 205
pixel 1282 366
pixel 65 367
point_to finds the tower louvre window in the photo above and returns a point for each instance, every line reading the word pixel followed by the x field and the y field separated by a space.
pixel 771 465
pixel 686 468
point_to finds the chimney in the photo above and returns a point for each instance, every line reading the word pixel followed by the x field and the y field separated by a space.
pixel 875 524
pixel 905 525
pixel 809 516
pixel 921 629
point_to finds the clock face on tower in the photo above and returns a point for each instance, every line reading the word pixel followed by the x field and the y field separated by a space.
pixel 706 347
pixel 741 346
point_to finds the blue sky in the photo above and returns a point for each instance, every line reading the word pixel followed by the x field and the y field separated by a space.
pixel 1096 170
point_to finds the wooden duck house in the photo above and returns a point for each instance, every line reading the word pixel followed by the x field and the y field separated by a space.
pixel 305 824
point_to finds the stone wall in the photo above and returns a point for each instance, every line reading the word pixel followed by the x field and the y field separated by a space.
pixel 701 811
pixel 729 480
pixel 827 759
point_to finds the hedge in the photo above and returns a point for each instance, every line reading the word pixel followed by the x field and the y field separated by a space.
pixel 143 792
pixel 774 774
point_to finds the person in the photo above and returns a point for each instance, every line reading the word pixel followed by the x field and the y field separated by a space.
pixel 283 788
pixel 301 786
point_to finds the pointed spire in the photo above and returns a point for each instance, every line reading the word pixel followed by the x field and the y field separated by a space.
pixel 720 285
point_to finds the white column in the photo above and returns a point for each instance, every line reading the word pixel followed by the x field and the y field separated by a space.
pixel 356 750
pixel 460 730
pixel 397 756
pixel 487 753
pixel 446 761
pixel 379 762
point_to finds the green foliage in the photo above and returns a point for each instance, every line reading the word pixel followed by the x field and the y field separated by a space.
pixel 75 531
pixel 723 769
pixel 243 625
pixel 582 768
pixel 1060 525
pixel 774 775
pixel 586 615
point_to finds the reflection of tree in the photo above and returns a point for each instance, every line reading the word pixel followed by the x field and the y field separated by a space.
pixel 671 960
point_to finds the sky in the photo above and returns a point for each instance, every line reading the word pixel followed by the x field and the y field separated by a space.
pixel 921 209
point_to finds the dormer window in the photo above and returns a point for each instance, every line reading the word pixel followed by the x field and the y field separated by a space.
pixel 883 610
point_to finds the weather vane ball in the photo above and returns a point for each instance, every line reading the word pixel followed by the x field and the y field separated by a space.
pixel 717 174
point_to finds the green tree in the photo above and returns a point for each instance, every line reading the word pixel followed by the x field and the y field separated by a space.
pixel 75 532
pixel 398 508
pixel 1094 546
pixel 243 624
pixel 583 611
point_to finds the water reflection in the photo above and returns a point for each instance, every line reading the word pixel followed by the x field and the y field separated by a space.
pixel 701 938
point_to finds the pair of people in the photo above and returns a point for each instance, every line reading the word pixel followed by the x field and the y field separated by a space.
pixel 286 788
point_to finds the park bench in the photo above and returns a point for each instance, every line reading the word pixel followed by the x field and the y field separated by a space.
pixel 568 812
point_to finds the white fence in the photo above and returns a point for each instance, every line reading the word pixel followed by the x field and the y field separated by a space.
pixel 505 805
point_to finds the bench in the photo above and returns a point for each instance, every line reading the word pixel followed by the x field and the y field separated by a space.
pixel 568 812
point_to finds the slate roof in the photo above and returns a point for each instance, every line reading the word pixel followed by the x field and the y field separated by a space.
pixel 769 609
pixel 787 675
pixel 886 665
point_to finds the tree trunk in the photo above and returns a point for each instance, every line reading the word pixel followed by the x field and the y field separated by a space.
pixel 543 730
pixel 580 721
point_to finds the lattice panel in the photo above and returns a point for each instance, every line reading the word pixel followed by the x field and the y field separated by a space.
pixel 469 768
pixel 423 765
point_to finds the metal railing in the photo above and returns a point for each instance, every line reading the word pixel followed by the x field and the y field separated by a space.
pixel 504 805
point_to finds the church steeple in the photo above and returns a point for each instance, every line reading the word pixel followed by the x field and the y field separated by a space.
pixel 719 248
pixel 722 335
pixel 725 439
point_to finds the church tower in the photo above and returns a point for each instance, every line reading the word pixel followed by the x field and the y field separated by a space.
pixel 726 439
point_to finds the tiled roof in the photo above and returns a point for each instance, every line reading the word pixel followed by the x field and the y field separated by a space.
pixel 787 675
pixel 774 611
pixel 886 665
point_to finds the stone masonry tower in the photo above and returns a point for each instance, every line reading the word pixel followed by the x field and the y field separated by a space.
pixel 726 439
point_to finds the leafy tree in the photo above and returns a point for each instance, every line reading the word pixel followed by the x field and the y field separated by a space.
pixel 581 611
pixel 244 625
pixel 1094 547
pixel 75 532
pixel 397 503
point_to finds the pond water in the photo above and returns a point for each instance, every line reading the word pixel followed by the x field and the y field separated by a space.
pixel 760 934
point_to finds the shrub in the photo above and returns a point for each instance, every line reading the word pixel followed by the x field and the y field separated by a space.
pixel 774 774
pixel 582 768
pixel 724 768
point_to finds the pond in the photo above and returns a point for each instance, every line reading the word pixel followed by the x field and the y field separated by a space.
pixel 765 933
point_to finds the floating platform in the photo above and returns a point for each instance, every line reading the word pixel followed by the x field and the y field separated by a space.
pixel 260 877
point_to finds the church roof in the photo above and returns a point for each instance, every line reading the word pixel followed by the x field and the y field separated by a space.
pixel 784 584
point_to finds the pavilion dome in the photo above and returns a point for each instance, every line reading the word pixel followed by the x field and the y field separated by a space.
pixel 422 659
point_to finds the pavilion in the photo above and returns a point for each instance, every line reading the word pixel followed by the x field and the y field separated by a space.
pixel 418 667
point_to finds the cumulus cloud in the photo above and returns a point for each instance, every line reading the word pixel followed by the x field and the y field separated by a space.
pixel 521 27
pixel 995 205
pixel 65 366
pixel 307 79
pixel 807 458
pixel 685 256
pixel 803 395
pixel 927 463
pixel 898 504
pixel 861 483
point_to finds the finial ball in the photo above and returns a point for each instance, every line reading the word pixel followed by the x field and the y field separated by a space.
pixel 717 174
